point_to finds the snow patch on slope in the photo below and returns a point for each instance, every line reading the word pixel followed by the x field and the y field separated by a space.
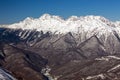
pixel 5 76
pixel 46 72
pixel 107 58
pixel 114 57
pixel 117 66
pixel 96 76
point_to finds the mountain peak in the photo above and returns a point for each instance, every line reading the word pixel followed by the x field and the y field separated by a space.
pixel 73 18
pixel 28 19
pixel 45 16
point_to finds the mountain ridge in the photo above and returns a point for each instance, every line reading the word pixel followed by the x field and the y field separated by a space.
pixel 56 24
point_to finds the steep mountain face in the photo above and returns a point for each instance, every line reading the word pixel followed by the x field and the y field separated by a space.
pixel 51 48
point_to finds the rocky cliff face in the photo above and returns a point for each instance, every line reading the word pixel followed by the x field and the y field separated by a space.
pixel 50 48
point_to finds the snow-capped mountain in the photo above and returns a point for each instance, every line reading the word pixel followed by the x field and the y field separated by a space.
pixel 56 24
pixel 53 48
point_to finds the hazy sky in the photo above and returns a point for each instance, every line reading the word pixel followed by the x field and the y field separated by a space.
pixel 12 11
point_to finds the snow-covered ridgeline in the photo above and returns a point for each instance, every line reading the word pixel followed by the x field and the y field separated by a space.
pixel 73 24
